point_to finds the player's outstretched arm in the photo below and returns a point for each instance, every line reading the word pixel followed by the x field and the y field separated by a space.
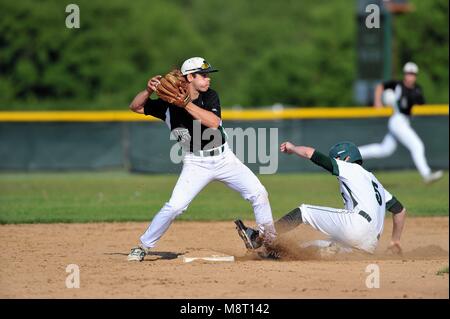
pixel 398 224
pixel 310 153
pixel 302 151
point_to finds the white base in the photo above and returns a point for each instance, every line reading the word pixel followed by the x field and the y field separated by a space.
pixel 211 258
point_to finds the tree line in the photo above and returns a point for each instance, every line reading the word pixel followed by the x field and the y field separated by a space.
pixel 298 53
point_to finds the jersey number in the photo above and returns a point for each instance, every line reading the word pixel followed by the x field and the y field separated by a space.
pixel 377 193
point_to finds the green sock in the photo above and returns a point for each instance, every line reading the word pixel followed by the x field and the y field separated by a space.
pixel 289 221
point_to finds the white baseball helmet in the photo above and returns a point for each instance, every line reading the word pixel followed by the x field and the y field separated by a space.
pixel 196 65
pixel 411 67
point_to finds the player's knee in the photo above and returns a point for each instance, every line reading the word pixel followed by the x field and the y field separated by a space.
pixel 173 210
pixel 261 197
pixel 390 149
pixel 388 146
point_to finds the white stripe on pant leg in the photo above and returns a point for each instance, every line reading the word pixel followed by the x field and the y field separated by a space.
pixel 192 180
pixel 379 150
pixel 406 135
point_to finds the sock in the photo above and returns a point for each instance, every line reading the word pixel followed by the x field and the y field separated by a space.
pixel 289 221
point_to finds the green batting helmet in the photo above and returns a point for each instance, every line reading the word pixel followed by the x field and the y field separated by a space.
pixel 344 149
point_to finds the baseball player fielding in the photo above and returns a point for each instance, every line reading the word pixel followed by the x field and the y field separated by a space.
pixel 185 96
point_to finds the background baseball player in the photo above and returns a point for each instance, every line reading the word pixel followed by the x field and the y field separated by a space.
pixel 360 223
pixel 402 96
pixel 206 159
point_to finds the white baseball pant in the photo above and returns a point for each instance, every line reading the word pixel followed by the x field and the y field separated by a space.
pixel 399 130
pixel 342 226
pixel 198 172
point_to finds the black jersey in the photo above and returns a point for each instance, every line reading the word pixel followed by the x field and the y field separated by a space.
pixel 406 97
pixel 181 123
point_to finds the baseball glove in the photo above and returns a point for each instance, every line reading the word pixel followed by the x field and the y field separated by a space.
pixel 173 88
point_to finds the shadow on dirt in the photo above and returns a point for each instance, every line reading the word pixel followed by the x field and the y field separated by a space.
pixel 160 255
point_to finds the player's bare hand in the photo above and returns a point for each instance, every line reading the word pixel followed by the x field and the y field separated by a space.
pixel 153 83
pixel 287 147
pixel 378 104
pixel 395 248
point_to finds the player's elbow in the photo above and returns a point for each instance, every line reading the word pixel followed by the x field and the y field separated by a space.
pixel 309 152
pixel 400 216
pixel 215 122
pixel 136 108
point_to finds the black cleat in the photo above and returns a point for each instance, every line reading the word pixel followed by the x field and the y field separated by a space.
pixel 249 235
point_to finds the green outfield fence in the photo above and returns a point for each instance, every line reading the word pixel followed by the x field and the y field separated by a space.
pixel 39 141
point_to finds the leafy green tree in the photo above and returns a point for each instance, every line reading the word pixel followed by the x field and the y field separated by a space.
pixel 300 53
pixel 422 36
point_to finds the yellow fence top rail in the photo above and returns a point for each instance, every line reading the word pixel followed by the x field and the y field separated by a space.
pixel 246 115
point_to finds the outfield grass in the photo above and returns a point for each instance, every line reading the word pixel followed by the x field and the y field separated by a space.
pixel 442 271
pixel 120 196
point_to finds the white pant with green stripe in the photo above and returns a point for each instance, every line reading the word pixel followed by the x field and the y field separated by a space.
pixel 346 227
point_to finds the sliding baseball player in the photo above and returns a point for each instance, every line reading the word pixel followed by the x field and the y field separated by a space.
pixel 360 223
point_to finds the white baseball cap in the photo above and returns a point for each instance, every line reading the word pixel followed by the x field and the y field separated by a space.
pixel 196 65
pixel 411 67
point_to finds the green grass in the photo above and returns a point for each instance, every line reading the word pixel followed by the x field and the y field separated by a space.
pixel 120 196
pixel 442 271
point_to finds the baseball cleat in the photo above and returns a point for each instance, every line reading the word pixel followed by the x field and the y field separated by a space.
pixel 137 254
pixel 433 177
pixel 249 235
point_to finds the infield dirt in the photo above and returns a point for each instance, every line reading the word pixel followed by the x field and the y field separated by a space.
pixel 34 258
